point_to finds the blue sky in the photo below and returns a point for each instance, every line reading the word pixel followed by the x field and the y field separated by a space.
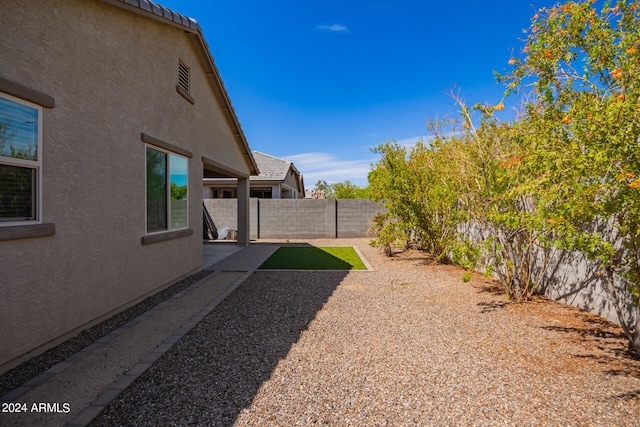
pixel 322 82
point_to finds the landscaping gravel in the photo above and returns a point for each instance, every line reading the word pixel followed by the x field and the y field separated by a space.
pixel 38 364
pixel 406 344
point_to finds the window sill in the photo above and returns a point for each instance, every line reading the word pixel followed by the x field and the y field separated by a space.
pixel 163 237
pixel 30 231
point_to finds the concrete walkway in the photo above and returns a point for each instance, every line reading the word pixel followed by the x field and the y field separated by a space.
pixel 80 387
pixel 213 253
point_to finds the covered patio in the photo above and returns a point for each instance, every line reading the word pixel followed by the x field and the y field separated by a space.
pixel 214 169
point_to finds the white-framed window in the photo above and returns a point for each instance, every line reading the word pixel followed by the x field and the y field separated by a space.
pixel 20 161
pixel 167 190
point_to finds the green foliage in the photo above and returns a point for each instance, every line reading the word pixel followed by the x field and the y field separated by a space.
pixel 387 232
pixel 488 272
pixel 178 192
pixel 583 128
pixel 419 197
pixel 348 190
pixel 466 253
pixel 565 174
pixel 341 190
pixel 500 210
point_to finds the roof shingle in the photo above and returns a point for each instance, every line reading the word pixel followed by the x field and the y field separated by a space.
pixel 162 12
pixel 271 168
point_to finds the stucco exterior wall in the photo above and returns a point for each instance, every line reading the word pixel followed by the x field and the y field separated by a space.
pixel 292 181
pixel 113 75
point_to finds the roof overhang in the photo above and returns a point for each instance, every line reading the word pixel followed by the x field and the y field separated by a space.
pixel 193 30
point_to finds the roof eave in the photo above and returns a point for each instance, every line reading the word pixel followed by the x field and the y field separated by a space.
pixel 159 13
pixel 192 28
pixel 223 97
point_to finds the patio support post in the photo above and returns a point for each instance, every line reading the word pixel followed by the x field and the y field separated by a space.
pixel 244 234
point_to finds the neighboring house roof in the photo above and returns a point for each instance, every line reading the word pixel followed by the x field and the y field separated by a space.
pixel 155 11
pixel 272 168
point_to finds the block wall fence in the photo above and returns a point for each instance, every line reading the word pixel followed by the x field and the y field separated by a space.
pixel 571 278
pixel 299 218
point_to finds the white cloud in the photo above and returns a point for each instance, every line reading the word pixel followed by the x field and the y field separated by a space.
pixel 322 166
pixel 333 28
pixel 409 142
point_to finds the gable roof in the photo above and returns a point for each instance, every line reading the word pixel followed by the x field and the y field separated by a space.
pixel 272 168
pixel 191 28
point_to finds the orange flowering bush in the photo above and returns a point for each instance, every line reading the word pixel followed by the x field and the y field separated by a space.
pixel 617 73
pixel 568 163
pixel 582 127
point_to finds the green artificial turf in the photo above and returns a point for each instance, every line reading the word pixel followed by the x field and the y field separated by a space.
pixel 314 258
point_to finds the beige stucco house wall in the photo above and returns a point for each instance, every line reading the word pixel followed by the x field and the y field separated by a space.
pixel 293 185
pixel 108 72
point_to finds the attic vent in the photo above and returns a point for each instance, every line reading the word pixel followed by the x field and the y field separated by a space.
pixel 183 76
pixel 184 81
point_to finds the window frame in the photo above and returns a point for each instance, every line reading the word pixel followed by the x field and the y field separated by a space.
pixel 168 149
pixel 168 209
pixel 35 165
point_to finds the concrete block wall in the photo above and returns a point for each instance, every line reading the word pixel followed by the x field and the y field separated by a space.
pixel 224 212
pixel 296 218
pixel 573 279
pixel 354 217
pixel 299 218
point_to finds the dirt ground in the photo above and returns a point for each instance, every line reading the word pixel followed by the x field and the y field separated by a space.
pixel 603 342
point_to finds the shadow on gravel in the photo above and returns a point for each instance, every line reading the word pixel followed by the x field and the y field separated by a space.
pixel 587 333
pixel 216 370
pixel 488 307
pixel 611 344
pixel 630 396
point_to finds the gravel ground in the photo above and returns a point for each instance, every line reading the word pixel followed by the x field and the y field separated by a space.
pixel 406 344
pixel 35 366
